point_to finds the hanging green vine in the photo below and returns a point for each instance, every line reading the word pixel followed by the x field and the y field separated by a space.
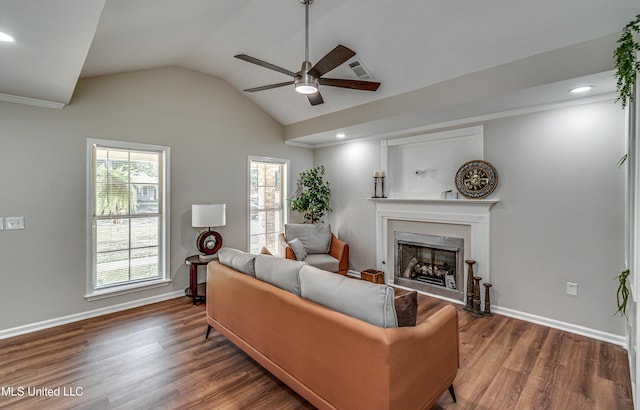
pixel 627 64
pixel 627 68
pixel 622 295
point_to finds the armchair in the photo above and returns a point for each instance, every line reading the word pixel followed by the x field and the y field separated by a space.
pixel 316 245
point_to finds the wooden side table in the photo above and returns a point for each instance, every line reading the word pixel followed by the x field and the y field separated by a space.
pixel 372 275
pixel 196 291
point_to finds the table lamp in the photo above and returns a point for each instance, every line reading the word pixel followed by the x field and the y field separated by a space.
pixel 207 216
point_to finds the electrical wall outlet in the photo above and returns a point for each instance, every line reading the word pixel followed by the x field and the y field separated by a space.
pixel 14 222
pixel 572 289
pixel 1 223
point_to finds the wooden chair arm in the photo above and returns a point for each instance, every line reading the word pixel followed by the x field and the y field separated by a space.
pixel 340 251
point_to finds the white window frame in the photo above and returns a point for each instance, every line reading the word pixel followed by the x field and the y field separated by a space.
pixel 285 191
pixel 93 292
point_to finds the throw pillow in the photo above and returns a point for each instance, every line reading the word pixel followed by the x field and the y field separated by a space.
pixel 298 249
pixel 238 260
pixel 279 272
pixel 406 305
pixel 265 251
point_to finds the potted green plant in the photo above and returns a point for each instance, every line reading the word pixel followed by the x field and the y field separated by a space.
pixel 313 196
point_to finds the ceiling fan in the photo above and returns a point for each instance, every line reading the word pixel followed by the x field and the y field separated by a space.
pixel 307 80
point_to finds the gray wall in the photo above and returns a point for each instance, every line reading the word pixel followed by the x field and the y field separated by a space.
pixel 211 130
pixel 560 217
pixel 559 189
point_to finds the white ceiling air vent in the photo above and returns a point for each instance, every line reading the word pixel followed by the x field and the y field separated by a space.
pixel 360 70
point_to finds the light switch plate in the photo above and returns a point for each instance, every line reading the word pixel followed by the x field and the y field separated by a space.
pixel 1 223
pixel 14 222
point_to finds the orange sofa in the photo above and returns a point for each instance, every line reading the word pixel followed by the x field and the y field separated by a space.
pixel 333 360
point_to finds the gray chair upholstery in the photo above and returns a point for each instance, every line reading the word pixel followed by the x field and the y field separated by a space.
pixel 316 246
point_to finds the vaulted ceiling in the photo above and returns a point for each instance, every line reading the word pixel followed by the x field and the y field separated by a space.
pixel 406 45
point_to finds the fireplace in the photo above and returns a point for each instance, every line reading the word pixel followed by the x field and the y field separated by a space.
pixel 430 263
pixel 452 218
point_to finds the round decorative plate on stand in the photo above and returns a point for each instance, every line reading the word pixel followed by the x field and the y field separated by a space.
pixel 476 179
pixel 209 242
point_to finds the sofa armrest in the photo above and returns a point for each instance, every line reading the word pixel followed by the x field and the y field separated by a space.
pixel 340 250
pixel 288 252
pixel 436 340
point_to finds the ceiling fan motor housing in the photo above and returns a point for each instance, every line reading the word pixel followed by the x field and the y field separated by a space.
pixel 305 83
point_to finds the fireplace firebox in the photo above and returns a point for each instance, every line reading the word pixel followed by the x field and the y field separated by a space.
pixel 430 263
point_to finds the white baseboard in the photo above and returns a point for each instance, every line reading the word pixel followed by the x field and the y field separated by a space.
pixel 567 327
pixel 528 317
pixel 20 330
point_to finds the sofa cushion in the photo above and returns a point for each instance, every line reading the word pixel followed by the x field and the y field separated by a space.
pixel 298 249
pixel 316 238
pixel 323 261
pixel 363 300
pixel 406 305
pixel 238 260
pixel 279 272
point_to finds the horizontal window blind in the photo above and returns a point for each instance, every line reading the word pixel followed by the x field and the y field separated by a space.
pixel 128 215
pixel 266 203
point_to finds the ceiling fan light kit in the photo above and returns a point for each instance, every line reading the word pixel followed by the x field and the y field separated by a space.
pixel 308 80
pixel 306 84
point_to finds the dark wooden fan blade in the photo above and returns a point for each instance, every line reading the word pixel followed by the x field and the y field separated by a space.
pixel 331 60
pixel 268 87
pixel 353 84
pixel 265 64
pixel 315 99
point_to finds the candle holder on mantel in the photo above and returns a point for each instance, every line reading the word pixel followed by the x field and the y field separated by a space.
pixel 378 175
pixel 375 187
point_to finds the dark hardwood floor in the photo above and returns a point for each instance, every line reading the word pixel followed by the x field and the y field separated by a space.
pixel 156 357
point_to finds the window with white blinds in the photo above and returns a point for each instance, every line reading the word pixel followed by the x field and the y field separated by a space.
pixel 127 204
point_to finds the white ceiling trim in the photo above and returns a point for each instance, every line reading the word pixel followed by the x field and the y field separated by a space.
pixel 31 101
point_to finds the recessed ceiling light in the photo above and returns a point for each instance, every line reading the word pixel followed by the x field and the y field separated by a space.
pixel 6 38
pixel 340 135
pixel 582 89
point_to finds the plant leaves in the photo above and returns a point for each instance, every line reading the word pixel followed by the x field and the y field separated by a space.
pixel 627 65
pixel 314 195
pixel 622 294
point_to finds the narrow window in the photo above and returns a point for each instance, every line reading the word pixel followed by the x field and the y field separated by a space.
pixel 267 193
pixel 127 217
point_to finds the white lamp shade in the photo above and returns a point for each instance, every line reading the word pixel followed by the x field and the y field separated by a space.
pixel 208 215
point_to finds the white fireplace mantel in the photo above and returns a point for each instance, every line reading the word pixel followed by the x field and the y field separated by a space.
pixel 428 201
pixel 474 213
